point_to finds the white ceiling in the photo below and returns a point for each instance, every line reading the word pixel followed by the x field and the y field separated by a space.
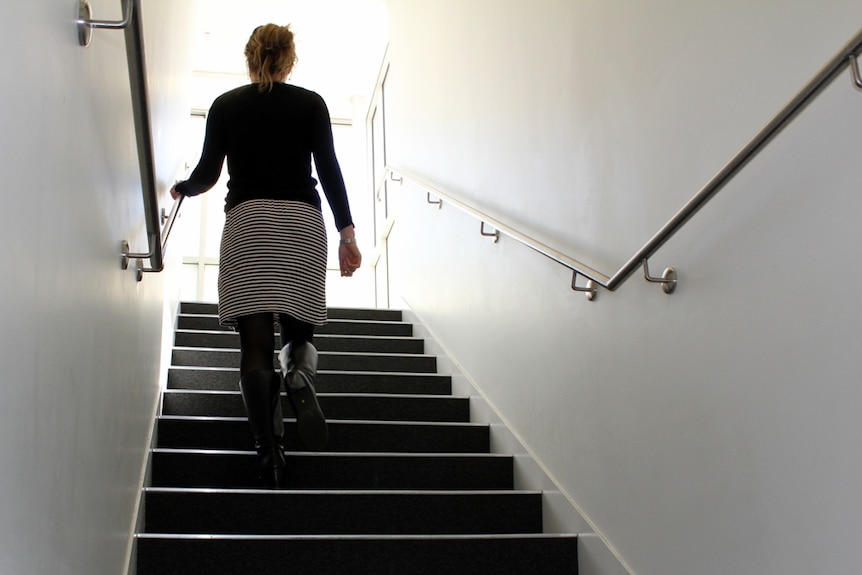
pixel 339 43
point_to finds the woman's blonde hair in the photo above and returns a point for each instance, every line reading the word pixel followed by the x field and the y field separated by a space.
pixel 270 55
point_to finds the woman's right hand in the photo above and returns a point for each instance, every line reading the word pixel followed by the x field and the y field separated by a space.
pixel 349 258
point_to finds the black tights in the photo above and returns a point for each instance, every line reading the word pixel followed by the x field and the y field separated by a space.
pixel 257 339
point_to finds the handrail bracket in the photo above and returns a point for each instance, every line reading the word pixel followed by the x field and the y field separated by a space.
pixel 85 32
pixel 668 279
pixel 854 71
pixel 495 234
pixel 86 22
pixel 168 220
pixel 591 289
pixel 438 202
pixel 126 256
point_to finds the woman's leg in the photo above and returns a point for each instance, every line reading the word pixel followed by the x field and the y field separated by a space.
pixel 256 342
pixel 294 330
pixel 261 394
pixel 298 358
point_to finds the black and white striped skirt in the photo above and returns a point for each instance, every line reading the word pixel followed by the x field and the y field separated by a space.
pixel 273 259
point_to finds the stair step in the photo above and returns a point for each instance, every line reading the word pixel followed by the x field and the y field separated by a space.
pixel 337 326
pixel 335 406
pixel 256 512
pixel 340 343
pixel 332 381
pixel 208 308
pixel 359 555
pixel 225 469
pixel 344 436
pixel 326 360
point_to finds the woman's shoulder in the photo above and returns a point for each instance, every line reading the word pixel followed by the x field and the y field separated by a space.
pixel 300 92
pixel 234 95
pixel 246 90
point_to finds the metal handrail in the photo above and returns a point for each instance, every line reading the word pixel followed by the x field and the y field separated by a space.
pixel 499 226
pixel 157 236
pixel 846 57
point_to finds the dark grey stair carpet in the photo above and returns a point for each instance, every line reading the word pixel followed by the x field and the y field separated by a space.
pixel 329 361
pixel 342 512
pixel 361 555
pixel 342 343
pixel 338 326
pixel 334 313
pixel 336 406
pixel 344 436
pixel 227 379
pixel 193 468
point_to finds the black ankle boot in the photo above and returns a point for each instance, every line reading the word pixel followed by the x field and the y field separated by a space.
pixel 261 394
pixel 299 368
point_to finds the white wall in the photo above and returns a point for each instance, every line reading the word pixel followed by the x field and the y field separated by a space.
pixel 712 431
pixel 82 339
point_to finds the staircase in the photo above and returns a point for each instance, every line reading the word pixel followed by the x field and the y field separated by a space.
pixel 407 484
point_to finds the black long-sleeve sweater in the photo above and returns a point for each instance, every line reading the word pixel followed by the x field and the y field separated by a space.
pixel 269 139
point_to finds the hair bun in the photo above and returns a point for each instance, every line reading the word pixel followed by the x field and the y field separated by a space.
pixel 270 54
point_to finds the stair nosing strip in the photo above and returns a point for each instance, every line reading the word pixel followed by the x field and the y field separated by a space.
pixel 329 320
pixel 348 353
pixel 323 371
pixel 466 424
pixel 202 391
pixel 353 454
pixel 428 396
pixel 323 492
pixel 317 335
pixel 370 537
